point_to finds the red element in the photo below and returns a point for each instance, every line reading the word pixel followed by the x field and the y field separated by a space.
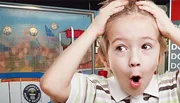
pixel 103 73
pixel 77 33
pixel 155 72
pixel 64 47
pixel 175 15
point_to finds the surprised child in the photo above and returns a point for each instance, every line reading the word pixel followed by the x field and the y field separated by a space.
pixel 131 46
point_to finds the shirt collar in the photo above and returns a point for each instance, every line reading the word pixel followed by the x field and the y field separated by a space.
pixel 152 88
pixel 119 94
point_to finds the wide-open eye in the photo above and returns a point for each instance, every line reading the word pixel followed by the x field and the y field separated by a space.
pixel 121 48
pixel 146 46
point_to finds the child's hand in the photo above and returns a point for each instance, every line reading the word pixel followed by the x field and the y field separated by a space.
pixel 105 13
pixel 163 22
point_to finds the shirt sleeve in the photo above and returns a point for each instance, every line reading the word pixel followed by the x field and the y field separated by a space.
pixel 82 90
pixel 178 83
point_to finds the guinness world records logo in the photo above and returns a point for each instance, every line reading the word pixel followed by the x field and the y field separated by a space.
pixel 32 93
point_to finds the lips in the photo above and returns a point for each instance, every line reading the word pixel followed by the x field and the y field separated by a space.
pixel 135 81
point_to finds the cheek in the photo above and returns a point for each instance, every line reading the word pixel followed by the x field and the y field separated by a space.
pixel 151 61
pixel 118 63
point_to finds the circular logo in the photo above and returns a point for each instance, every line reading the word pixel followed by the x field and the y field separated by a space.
pixel 32 93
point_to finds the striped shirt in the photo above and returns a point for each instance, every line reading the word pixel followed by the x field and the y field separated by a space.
pixel 96 89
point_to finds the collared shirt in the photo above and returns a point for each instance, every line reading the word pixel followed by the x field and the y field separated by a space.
pixel 96 89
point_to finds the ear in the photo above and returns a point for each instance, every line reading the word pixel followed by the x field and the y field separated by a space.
pixel 106 63
pixel 103 58
pixel 160 59
pixel 161 55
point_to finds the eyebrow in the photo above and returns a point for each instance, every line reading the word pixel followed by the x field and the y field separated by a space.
pixel 149 38
pixel 125 39
pixel 122 39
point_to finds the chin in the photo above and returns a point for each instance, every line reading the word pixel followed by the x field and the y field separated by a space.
pixel 135 92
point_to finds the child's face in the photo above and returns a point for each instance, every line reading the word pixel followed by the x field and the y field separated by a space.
pixel 133 52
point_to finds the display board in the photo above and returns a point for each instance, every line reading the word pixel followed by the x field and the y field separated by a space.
pixel 32 36
pixel 174 50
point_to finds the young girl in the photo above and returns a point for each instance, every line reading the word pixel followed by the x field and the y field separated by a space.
pixel 131 47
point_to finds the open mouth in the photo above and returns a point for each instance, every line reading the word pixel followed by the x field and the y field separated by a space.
pixel 135 78
pixel 135 81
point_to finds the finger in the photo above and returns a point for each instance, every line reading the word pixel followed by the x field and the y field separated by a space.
pixel 116 10
pixel 148 9
pixel 143 3
pixel 123 2
pixel 147 3
pixel 112 8
pixel 117 3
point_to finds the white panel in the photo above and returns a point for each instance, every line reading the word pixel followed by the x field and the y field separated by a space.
pixel 15 92
pixel 45 98
pixel 4 92
pixel 31 92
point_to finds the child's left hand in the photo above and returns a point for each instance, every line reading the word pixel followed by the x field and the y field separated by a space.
pixel 163 22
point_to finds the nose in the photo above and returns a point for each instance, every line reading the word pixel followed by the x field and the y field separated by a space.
pixel 134 60
pixel 134 64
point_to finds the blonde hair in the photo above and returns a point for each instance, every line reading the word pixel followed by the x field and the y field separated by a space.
pixel 130 9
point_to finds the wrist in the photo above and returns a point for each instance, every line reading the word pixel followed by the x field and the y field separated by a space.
pixel 90 34
pixel 95 30
pixel 172 31
pixel 174 35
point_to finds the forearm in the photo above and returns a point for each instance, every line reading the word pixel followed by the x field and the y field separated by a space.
pixel 59 75
pixel 174 35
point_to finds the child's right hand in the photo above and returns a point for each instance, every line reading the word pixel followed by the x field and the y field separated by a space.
pixel 105 13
